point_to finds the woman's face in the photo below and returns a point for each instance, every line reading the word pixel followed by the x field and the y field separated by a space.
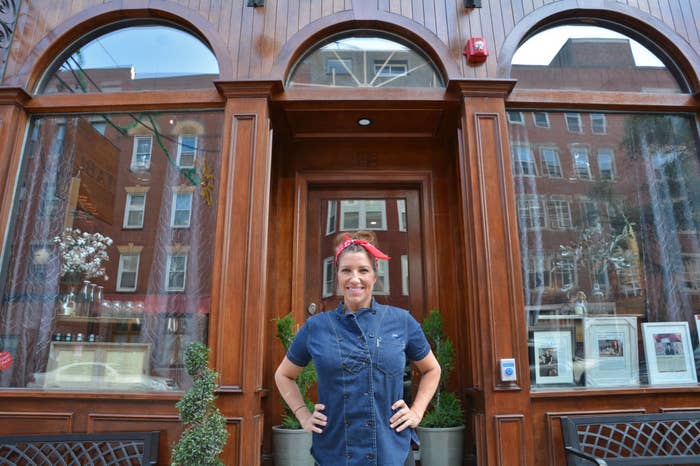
pixel 356 279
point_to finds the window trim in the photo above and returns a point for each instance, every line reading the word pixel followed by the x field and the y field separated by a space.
pixel 128 210
pixel 168 265
pixel 194 150
pixel 134 166
pixel 173 208
pixel 120 270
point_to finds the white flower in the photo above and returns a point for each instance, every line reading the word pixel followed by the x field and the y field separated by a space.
pixel 83 252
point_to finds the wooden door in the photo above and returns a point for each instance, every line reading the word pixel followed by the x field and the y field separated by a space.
pixel 395 217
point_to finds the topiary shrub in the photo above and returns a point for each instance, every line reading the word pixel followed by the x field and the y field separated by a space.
pixel 307 377
pixel 205 432
pixel 445 408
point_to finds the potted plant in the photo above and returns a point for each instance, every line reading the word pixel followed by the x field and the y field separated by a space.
pixel 442 428
pixel 205 432
pixel 291 444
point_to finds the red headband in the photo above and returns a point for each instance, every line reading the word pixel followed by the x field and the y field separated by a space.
pixel 372 250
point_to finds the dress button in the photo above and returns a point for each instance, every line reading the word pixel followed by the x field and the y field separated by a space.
pixel 346 395
pixel 370 456
pixel 366 393
pixel 349 455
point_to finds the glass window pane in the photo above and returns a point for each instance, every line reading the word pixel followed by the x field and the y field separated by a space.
pixel 604 258
pixel 364 59
pixel 147 290
pixel 134 58
pixel 587 57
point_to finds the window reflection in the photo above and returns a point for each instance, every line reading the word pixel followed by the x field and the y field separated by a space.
pixel 610 236
pixel 589 58
pixel 133 58
pixel 364 59
pixel 118 190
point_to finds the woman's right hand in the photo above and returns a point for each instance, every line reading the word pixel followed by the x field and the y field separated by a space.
pixel 312 422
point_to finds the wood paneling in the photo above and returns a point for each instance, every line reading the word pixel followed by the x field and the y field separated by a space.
pixel 252 39
pixel 40 422
pixel 510 432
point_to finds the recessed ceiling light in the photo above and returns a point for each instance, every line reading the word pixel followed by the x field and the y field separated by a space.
pixel 364 122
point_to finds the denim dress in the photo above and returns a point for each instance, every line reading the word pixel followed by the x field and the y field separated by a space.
pixel 360 359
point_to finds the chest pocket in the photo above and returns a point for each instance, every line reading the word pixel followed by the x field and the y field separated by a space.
pixel 352 358
pixel 391 355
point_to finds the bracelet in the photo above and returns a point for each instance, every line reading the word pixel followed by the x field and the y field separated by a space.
pixel 297 409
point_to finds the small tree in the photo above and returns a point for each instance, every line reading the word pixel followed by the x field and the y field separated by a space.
pixel 445 408
pixel 307 377
pixel 205 431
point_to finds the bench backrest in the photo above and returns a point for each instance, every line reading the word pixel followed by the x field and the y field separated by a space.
pixel 639 439
pixel 98 449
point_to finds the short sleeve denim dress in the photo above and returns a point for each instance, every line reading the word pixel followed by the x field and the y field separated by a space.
pixel 360 359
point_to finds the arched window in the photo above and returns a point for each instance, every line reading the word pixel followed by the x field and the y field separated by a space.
pixel 595 58
pixel 364 58
pixel 608 212
pixel 132 57
pixel 106 272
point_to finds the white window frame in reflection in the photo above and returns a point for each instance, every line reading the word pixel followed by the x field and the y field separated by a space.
pixel 515 118
pixel 401 212
pixel 175 210
pixel 531 213
pixel 582 170
pixel 328 272
pixel 331 216
pixel 524 161
pixel 599 123
pixel 537 264
pixel 573 122
pixel 360 207
pixel 381 287
pixel 551 167
pixel 185 149
pixel 131 208
pixel 404 275
pixel 606 172
pixel 141 160
pixel 559 213
pixel 540 123
pixel 125 268
pixel 171 271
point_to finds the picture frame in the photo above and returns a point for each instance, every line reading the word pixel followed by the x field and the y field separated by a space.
pixel 669 353
pixel 553 355
pixel 611 353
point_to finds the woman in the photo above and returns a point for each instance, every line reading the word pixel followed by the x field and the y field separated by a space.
pixel 360 351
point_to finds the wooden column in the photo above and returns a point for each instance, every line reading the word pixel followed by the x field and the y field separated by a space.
pixel 12 119
pixel 236 333
pixel 494 298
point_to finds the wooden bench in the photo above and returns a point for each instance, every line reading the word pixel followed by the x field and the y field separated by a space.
pixel 98 449
pixel 632 439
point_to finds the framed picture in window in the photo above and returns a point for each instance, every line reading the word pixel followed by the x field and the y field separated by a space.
pixel 669 353
pixel 553 354
pixel 611 353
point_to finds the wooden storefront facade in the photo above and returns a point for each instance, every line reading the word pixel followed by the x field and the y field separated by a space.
pixel 446 148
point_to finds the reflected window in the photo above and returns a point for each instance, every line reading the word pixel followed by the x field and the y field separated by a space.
pixel 551 165
pixel 363 214
pixel 134 209
pixel 381 287
pixel 331 217
pixel 106 277
pixel 404 274
pixel 515 118
pixel 573 122
pixel 136 57
pixel 176 271
pixel 128 272
pixel 588 57
pixel 141 157
pixel 364 59
pixel 401 210
pixel 524 161
pixel 618 254
pixel 541 119
pixel 328 273
pixel 186 151
pixel 598 123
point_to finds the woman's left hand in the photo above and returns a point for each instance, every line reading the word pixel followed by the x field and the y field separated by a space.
pixel 404 417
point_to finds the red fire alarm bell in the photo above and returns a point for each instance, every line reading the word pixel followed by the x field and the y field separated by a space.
pixel 475 50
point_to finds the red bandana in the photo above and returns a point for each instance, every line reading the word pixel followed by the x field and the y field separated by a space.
pixel 373 251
